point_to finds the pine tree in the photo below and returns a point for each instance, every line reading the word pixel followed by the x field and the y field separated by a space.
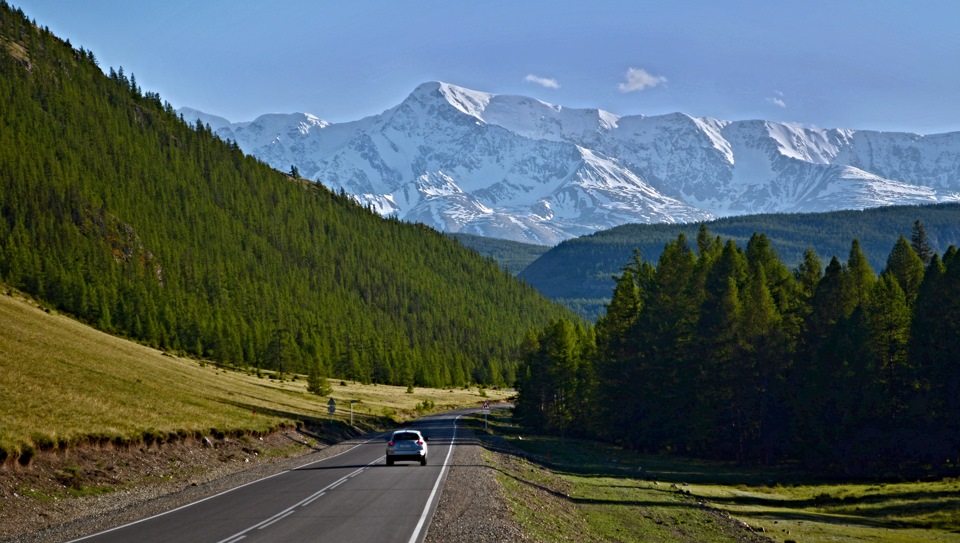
pixel 668 326
pixel 317 382
pixel 760 366
pixel 888 320
pixel 918 241
pixel 859 276
pixel 906 267
pixel 618 343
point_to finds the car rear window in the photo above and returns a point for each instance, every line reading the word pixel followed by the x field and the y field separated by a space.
pixel 406 436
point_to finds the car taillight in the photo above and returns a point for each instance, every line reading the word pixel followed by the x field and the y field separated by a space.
pixel 419 443
pixel 390 444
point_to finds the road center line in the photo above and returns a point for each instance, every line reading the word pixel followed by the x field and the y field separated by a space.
pixel 229 539
pixel 286 512
pixel 311 500
pixel 276 518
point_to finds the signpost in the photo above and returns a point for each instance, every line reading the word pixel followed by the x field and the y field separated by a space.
pixel 351 410
pixel 486 411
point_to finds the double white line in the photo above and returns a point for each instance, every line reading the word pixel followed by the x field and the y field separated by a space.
pixel 302 503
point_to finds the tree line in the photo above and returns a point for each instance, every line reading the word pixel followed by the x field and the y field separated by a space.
pixel 578 272
pixel 723 352
pixel 116 211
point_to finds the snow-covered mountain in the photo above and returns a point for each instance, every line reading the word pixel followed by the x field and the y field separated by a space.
pixel 517 168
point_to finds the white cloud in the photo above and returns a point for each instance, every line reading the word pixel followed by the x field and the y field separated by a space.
pixel 777 100
pixel 639 79
pixel 542 81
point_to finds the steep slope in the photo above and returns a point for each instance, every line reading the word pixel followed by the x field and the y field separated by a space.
pixel 513 167
pixel 115 211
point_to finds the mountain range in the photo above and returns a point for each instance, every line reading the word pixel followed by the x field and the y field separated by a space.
pixel 517 168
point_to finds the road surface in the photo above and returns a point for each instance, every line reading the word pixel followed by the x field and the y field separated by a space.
pixel 352 496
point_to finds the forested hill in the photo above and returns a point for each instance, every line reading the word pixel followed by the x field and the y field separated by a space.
pixel 512 256
pixel 583 268
pixel 114 210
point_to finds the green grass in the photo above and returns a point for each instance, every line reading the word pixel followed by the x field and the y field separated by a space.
pixel 610 494
pixel 65 384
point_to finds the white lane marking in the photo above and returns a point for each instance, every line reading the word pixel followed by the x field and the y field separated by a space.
pixel 286 512
pixel 436 485
pixel 237 539
pixel 276 518
pixel 310 500
pixel 228 540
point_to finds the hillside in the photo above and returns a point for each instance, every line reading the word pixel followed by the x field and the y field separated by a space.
pixel 582 269
pixel 114 210
pixel 513 256
pixel 66 384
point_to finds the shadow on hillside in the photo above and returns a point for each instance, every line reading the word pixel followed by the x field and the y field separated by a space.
pixel 323 431
pixel 889 510
pixel 875 510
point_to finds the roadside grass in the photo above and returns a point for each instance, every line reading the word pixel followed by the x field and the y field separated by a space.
pixel 65 384
pixel 619 495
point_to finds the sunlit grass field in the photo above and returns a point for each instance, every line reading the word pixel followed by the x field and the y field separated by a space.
pixel 63 383
pixel 625 496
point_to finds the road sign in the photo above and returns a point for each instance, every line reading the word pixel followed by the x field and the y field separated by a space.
pixel 332 406
pixel 486 406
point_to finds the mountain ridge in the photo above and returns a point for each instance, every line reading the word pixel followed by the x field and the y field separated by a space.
pixel 518 168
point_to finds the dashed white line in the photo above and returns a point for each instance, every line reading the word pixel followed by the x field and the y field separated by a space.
pixel 239 536
pixel 288 511
pixel 276 518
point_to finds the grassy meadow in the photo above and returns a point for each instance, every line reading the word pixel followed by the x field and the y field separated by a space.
pixel 609 494
pixel 64 383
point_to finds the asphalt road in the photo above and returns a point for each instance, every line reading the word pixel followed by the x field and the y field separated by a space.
pixel 353 496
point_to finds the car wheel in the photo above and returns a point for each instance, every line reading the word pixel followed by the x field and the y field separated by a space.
pixel 423 461
pixel 389 461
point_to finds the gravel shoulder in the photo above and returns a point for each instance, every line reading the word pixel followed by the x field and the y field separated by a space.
pixel 472 507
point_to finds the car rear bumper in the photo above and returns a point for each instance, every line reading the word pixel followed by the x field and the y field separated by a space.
pixel 406 456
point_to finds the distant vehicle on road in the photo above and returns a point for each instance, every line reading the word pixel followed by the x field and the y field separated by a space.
pixel 407 445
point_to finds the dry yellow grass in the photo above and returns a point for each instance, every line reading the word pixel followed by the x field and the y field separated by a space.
pixel 64 383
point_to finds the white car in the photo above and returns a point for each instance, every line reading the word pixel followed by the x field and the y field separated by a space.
pixel 407 445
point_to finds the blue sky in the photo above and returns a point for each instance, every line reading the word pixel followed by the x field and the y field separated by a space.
pixel 862 64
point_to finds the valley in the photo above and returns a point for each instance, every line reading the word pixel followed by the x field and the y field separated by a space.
pixel 219 321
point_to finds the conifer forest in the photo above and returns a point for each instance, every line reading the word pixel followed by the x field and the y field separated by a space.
pixel 116 211
pixel 723 352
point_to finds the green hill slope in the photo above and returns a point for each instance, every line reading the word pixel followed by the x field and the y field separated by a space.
pixel 513 256
pixel 114 210
pixel 582 268
pixel 65 384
